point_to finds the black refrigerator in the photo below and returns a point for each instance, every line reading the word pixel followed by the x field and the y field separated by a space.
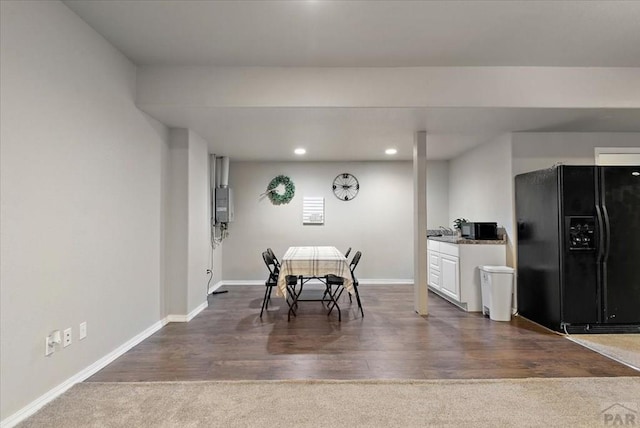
pixel 579 248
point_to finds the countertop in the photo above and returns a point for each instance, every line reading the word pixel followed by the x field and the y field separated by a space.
pixel 463 241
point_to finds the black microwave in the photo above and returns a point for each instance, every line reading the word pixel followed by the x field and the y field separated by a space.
pixel 479 230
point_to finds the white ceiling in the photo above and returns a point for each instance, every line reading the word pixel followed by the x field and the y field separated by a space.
pixel 371 33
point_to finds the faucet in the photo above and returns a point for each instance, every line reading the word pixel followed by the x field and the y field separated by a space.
pixel 446 231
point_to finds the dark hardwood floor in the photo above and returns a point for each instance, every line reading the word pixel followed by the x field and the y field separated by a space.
pixel 228 340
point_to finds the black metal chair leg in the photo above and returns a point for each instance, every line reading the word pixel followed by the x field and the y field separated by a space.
pixel 334 302
pixel 327 291
pixel 294 303
pixel 291 300
pixel 268 298
pixel 335 305
pixel 359 303
pixel 334 298
pixel 264 300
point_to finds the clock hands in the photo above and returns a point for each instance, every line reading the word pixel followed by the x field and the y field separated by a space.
pixel 345 187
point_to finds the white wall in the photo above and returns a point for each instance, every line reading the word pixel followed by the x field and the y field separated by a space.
pixel 199 230
pixel 177 225
pixel 187 226
pixel 438 194
pixel 539 150
pixel 217 256
pixel 481 186
pixel 81 187
pixel 378 222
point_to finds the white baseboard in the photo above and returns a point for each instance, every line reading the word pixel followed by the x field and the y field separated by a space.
pixel 35 405
pixel 189 316
pixel 406 281
pixel 214 287
pixel 233 282
pixel 370 281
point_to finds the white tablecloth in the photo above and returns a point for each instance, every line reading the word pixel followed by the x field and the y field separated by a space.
pixel 313 262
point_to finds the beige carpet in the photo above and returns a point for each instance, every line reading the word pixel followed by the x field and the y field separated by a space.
pixel 559 402
pixel 620 347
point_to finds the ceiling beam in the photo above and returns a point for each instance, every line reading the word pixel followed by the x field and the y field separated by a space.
pixel 511 87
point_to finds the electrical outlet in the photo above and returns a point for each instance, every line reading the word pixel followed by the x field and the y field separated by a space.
pixel 66 339
pixel 83 330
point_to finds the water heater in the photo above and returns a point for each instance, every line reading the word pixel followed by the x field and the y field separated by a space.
pixel 222 201
pixel 224 205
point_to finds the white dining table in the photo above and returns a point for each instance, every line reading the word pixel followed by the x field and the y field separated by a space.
pixel 307 263
pixel 313 262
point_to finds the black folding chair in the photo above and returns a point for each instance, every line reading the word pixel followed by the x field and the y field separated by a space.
pixel 272 280
pixel 273 255
pixel 329 288
pixel 339 282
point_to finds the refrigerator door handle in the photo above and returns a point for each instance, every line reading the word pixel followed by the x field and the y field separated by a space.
pixel 600 235
pixel 607 228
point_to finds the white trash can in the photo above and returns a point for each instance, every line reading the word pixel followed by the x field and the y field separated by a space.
pixel 497 291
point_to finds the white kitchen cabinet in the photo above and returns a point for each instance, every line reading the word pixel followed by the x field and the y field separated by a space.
pixel 453 269
pixel 450 275
pixel 434 268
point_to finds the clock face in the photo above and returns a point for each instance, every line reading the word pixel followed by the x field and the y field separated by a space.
pixel 345 186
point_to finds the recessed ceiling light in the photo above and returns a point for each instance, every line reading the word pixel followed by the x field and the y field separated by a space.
pixel 635 173
pixel 391 151
pixel 300 151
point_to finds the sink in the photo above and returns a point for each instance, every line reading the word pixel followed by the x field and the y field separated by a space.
pixel 446 238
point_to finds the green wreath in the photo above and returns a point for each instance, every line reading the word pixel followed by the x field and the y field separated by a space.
pixel 289 190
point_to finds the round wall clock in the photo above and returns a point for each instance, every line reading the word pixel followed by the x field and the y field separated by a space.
pixel 345 186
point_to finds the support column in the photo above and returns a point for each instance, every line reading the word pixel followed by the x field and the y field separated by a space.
pixel 420 222
pixel 186 244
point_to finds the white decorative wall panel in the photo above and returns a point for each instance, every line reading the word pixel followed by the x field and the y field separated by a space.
pixel 313 210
